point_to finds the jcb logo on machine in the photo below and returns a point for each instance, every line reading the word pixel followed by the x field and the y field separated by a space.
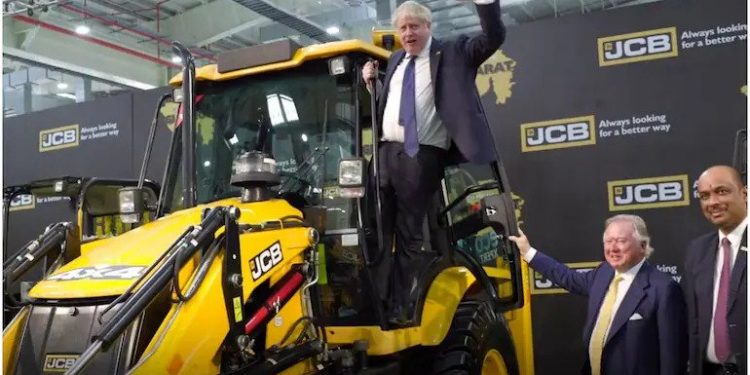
pixel 561 133
pixel 59 362
pixel 654 192
pixel 100 273
pixel 57 138
pixel 640 46
pixel 542 285
pixel 266 260
pixel 22 202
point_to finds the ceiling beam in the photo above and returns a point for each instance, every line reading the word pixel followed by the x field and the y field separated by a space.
pixel 209 23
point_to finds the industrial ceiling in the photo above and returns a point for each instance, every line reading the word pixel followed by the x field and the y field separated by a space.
pixel 129 41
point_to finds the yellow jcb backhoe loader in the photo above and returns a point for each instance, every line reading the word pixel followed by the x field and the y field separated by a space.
pixel 258 261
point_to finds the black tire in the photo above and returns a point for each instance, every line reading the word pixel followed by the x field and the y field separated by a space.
pixel 475 331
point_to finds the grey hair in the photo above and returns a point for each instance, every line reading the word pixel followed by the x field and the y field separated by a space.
pixel 412 9
pixel 639 230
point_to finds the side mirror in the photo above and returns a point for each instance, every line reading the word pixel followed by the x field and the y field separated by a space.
pixel 177 95
pixel 131 204
pixel 352 178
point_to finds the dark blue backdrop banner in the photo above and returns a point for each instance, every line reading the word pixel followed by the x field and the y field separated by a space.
pixel 607 113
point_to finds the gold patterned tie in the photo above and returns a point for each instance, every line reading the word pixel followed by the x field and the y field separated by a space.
pixel 600 330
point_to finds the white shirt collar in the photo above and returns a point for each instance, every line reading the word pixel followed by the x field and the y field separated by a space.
pixel 630 274
pixel 735 236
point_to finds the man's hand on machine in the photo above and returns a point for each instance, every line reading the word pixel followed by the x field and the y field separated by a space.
pixel 369 71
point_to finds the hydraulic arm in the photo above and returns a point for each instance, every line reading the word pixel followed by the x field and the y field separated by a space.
pixel 153 282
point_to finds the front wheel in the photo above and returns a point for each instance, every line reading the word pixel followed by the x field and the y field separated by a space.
pixel 477 343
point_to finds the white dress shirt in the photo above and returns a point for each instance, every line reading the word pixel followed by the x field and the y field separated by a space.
pixel 735 238
pixel 430 129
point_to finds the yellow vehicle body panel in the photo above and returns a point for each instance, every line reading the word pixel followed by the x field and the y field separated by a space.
pixel 280 325
pixel 445 293
pixel 519 324
pixel 140 247
pixel 312 52
pixel 189 339
pixel 442 299
pixel 11 338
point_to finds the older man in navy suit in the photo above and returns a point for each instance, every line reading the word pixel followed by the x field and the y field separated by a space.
pixel 636 322
pixel 715 279
pixel 430 115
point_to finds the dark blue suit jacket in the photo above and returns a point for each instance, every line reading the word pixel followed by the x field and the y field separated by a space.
pixel 698 282
pixel 656 344
pixel 453 65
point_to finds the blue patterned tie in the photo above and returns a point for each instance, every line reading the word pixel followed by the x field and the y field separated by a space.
pixel 407 116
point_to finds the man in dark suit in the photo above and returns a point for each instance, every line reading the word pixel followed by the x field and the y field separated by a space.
pixel 715 280
pixel 430 115
pixel 636 321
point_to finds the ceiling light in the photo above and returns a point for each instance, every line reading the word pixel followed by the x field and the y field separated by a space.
pixel 176 59
pixel 62 85
pixel 332 30
pixel 82 30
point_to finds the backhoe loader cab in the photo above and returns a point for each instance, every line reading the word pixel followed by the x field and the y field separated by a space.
pixel 259 259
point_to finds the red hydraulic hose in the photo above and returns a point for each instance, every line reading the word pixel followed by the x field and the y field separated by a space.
pixel 289 286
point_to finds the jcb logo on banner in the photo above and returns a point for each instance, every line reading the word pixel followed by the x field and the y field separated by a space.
pixel 543 285
pixel 561 133
pixel 59 362
pixel 22 202
pixel 640 46
pixel 653 192
pixel 57 138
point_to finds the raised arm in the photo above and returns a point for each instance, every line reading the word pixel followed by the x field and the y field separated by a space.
pixel 480 47
pixel 560 274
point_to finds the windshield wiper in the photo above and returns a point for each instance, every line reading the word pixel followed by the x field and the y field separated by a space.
pixel 305 169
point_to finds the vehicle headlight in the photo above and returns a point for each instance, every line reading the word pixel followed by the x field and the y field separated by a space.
pixel 131 204
pixel 352 172
pixel 337 65
pixel 59 186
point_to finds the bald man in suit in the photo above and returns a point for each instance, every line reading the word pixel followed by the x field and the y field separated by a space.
pixel 715 279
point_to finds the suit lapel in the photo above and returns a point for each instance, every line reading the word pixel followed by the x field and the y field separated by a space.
pixel 738 271
pixel 436 53
pixel 638 290
pixel 704 284
pixel 399 55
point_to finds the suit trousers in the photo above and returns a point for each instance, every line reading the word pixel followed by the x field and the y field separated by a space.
pixel 716 369
pixel 407 187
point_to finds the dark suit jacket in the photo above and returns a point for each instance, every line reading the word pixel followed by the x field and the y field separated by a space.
pixel 656 344
pixel 698 282
pixel 453 65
